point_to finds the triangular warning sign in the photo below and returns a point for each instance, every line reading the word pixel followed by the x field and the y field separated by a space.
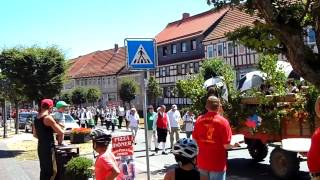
pixel 141 56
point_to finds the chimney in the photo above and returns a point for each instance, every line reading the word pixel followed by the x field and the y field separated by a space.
pixel 185 15
pixel 116 47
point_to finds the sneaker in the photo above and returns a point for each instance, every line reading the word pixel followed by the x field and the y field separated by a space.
pixel 164 153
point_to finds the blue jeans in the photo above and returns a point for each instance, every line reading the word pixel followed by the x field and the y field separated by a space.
pixel 213 175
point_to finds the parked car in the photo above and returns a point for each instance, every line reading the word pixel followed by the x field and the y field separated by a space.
pixel 24 117
pixel 70 123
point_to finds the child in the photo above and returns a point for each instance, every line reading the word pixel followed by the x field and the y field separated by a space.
pixel 189 120
pixel 59 115
pixel 106 165
pixel 185 152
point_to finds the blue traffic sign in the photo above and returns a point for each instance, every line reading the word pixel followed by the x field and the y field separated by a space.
pixel 141 54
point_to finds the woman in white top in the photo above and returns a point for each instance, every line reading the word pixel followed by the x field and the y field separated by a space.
pixel 133 119
pixel 189 120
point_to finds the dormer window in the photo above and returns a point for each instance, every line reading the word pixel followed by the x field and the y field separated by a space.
pixel 183 47
pixel 164 51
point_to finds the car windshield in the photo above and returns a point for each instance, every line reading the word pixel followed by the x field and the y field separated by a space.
pixel 68 118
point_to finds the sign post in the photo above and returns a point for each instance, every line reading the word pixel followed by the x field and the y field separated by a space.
pixel 141 56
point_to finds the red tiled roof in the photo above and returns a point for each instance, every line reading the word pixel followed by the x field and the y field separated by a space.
pixel 99 63
pixel 231 21
pixel 189 27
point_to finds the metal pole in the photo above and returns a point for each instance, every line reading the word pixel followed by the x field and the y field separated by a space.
pixel 4 117
pixel 145 122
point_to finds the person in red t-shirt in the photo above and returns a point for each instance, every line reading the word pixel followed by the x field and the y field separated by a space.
pixel 106 167
pixel 314 152
pixel 212 133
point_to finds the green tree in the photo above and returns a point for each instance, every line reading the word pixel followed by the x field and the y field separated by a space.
pixel 216 67
pixel 193 89
pixel 66 97
pixel 128 90
pixel 274 77
pixel 154 90
pixel 78 96
pixel 281 28
pixel 37 72
pixel 93 95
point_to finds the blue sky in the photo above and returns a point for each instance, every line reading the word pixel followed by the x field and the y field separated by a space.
pixel 82 26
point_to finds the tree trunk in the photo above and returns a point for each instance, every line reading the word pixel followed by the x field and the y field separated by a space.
pixel 303 60
pixel 16 104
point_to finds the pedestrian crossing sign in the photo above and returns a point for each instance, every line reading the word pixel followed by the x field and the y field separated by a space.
pixel 141 54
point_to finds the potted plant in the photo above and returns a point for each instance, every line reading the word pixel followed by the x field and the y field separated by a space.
pixel 80 135
pixel 79 168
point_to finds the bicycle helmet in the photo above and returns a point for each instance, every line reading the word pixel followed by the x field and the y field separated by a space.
pixel 186 148
pixel 101 136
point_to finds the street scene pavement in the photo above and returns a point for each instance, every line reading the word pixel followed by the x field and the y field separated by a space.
pixel 240 164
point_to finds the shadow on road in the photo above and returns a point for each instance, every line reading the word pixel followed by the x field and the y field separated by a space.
pixel 10 153
pixel 247 169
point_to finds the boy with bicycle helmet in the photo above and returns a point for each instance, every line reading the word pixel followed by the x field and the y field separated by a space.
pixel 185 152
pixel 106 165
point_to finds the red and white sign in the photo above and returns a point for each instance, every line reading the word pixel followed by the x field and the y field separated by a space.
pixel 122 145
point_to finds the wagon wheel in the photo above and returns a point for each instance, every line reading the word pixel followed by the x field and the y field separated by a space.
pixel 284 164
pixel 257 150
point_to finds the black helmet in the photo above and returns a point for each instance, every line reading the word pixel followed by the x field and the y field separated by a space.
pixel 101 136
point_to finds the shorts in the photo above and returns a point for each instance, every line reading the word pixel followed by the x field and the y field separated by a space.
pixel 162 135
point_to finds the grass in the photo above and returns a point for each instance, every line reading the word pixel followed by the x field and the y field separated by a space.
pixel 29 149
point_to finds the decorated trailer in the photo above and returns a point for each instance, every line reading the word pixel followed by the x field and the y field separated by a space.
pixel 280 122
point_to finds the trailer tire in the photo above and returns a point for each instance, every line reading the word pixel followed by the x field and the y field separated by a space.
pixel 257 150
pixel 284 164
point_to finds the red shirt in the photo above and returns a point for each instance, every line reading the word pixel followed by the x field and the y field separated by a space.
pixel 314 153
pixel 211 132
pixel 104 165
pixel 162 121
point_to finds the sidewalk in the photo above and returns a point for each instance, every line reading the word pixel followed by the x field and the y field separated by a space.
pixel 11 169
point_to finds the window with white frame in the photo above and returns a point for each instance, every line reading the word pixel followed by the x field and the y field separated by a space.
pixel 183 47
pixel 210 51
pixel 173 49
pixel 230 48
pixel 193 44
pixel 219 49
pixel 164 51
pixel 242 49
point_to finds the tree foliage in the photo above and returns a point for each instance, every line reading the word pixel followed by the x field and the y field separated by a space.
pixel 78 96
pixel 128 90
pixel 34 72
pixel 154 90
pixel 66 97
pixel 93 95
pixel 274 76
pixel 193 88
pixel 281 27
pixel 216 67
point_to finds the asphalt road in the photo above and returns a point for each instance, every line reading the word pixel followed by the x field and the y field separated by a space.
pixel 240 164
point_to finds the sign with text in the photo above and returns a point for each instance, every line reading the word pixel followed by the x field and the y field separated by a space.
pixel 122 145
pixel 122 148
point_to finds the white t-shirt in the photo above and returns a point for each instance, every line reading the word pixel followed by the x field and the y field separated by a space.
pixel 121 111
pixel 174 117
pixel 189 120
pixel 134 120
